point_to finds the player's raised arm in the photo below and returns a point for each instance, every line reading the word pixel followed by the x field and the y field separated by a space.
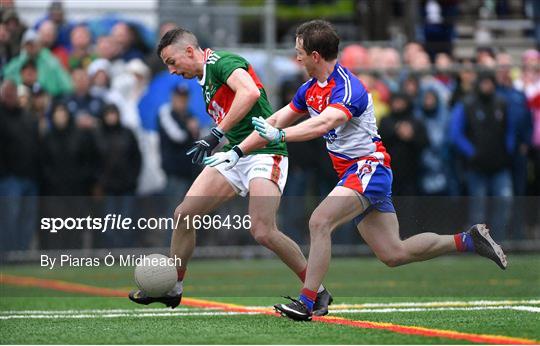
pixel 309 129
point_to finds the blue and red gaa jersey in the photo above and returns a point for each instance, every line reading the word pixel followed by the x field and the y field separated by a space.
pixel 354 140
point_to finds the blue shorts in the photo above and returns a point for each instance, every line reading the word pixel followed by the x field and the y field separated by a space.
pixel 372 180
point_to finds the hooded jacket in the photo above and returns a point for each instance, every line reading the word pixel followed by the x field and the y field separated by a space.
pixel 481 130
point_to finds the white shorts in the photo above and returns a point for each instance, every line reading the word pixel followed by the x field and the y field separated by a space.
pixel 268 166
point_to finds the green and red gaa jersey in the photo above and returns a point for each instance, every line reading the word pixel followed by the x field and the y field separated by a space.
pixel 219 65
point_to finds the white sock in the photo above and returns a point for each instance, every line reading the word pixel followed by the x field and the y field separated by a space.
pixel 321 288
pixel 177 289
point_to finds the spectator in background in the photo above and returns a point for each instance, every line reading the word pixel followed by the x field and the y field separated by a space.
pixel 375 54
pixel 485 57
pixel 422 67
pixel 153 61
pixel 410 86
pixel 529 83
pixel 132 85
pixel 56 14
pixel 520 115
pixel 355 57
pixel 99 73
pixel 439 26
pixel 51 75
pixel 465 82
pixel 47 36
pixel 410 51
pixel 532 11
pixel 481 132
pixel 29 79
pixel 464 85
pixel 129 42
pixel 379 94
pixel 29 74
pixel 23 94
pixel 443 70
pixel 69 157
pixel 434 163
pixel 405 139
pixel 19 150
pixel 106 48
pixel 420 63
pixel 39 107
pixel 5 50
pixel 100 83
pixel 81 48
pixel 120 170
pixel 178 129
pixel 359 60
pixel 14 31
pixel 69 165
pixel 390 68
pixel 85 108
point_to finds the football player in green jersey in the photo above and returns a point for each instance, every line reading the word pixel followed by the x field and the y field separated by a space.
pixel 233 95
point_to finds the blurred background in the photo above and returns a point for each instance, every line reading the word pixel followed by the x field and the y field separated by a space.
pixel 91 123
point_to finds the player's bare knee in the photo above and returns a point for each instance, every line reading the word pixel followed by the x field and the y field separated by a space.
pixel 320 225
pixel 181 214
pixel 262 237
pixel 262 233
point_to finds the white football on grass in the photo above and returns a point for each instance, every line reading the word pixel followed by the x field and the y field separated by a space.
pixel 156 275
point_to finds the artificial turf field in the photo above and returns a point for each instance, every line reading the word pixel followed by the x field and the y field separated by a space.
pixel 450 300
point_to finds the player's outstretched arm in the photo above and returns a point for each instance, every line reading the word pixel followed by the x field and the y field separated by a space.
pixel 309 129
pixel 283 117
pixel 280 119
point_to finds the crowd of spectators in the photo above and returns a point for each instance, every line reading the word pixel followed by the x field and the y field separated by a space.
pixel 77 119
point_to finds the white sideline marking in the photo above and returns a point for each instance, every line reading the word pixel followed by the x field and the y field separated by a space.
pixel 334 307
pixel 454 303
pixel 116 315
pixel 104 311
pixel 474 308
pixel 526 308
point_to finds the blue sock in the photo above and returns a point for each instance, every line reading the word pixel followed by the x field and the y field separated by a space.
pixel 309 303
pixel 464 242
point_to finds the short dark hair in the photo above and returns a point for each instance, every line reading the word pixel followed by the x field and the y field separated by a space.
pixel 29 63
pixel 111 108
pixel 319 36
pixel 173 36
